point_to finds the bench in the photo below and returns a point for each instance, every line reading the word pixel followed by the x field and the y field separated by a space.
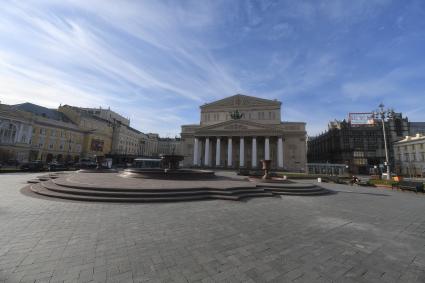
pixel 409 185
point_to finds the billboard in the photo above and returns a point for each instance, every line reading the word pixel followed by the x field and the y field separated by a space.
pixel 361 119
pixel 96 145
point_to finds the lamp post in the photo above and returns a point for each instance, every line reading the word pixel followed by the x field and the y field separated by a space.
pixel 383 114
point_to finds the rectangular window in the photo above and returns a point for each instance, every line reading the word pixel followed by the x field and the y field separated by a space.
pixel 41 142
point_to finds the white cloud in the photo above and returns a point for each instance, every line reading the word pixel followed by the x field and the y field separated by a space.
pixel 85 56
pixel 393 84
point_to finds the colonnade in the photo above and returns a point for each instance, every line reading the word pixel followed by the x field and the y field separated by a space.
pixel 202 154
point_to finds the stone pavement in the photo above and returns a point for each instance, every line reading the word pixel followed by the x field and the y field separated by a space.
pixel 357 235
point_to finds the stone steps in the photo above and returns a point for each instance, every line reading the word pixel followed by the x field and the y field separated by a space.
pixel 295 189
pixel 111 192
pixel 64 183
pixel 147 192
pixel 51 189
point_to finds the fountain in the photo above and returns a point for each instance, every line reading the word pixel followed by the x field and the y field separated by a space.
pixel 167 168
pixel 100 167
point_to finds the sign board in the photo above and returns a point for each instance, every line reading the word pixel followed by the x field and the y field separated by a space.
pixel 97 145
pixel 361 119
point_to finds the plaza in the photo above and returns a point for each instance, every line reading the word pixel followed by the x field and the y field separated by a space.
pixel 358 234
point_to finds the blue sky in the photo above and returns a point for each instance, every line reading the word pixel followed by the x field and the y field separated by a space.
pixel 158 61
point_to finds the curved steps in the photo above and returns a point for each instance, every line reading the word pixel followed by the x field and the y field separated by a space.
pixel 50 189
pixel 52 186
pixel 296 189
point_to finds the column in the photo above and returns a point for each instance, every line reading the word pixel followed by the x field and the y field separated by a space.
pixel 195 152
pixel 241 152
pixel 217 152
pixel 229 152
pixel 200 147
pixel 267 148
pixel 280 152
pixel 207 152
pixel 29 135
pixel 19 132
pixel 254 152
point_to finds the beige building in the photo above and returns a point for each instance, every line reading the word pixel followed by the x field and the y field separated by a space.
pixel 113 132
pixel 149 145
pixel 32 132
pixel 98 131
pixel 126 141
pixel 15 134
pixel 107 114
pixel 54 136
pixel 169 146
pixel 239 131
pixel 409 156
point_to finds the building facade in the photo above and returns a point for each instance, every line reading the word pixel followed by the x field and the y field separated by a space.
pixel 98 131
pixel 107 114
pixel 15 134
pixel 126 141
pixel 149 145
pixel 239 131
pixel 31 132
pixel 110 134
pixel 54 136
pixel 409 156
pixel 361 147
pixel 169 146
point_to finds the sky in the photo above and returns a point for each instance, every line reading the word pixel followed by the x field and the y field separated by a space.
pixel 156 62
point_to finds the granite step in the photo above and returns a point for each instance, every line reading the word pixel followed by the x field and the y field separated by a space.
pixel 38 189
pixel 148 193
pixel 49 188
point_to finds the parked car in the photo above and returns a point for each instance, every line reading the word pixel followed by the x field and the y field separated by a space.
pixel 12 162
pixel 56 166
pixel 85 163
pixel 33 166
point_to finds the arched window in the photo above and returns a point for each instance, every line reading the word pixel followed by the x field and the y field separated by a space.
pixel 7 132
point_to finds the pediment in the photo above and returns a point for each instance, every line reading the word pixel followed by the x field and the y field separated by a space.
pixel 235 125
pixel 240 101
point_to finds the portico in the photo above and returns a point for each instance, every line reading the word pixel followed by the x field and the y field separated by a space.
pixel 235 151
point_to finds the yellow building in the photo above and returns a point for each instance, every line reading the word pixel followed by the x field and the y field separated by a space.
pixel 15 135
pixel 97 131
pixel 54 137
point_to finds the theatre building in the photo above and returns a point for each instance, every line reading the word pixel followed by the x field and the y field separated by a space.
pixel 239 131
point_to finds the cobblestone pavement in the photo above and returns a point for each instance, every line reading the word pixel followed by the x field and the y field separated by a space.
pixel 356 235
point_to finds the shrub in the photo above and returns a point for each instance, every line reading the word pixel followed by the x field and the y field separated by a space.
pixel 382 182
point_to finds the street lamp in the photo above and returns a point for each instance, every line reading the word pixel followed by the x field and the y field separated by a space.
pixel 383 114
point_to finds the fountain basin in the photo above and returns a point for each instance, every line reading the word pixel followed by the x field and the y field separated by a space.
pixel 168 174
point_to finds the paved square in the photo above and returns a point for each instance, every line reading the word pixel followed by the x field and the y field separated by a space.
pixel 357 235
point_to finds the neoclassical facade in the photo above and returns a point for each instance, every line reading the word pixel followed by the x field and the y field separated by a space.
pixel 241 130
pixel 409 155
pixel 15 134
